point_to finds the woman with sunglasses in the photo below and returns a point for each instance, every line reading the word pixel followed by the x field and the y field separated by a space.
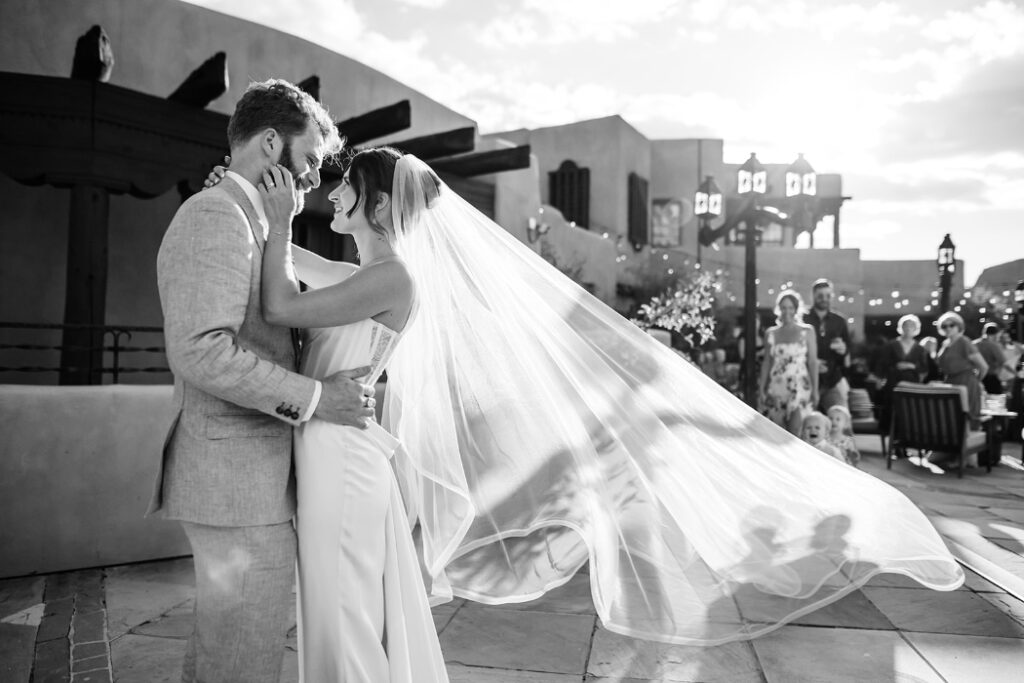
pixel 960 362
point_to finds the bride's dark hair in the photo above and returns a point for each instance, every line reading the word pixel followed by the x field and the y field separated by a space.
pixel 371 172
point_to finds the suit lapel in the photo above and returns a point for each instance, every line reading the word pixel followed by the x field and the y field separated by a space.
pixel 236 193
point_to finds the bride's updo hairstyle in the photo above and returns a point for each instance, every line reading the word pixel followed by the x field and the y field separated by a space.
pixel 371 172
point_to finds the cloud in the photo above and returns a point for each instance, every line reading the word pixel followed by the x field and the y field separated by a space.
pixel 983 116
pixel 331 23
pixel 766 16
pixel 957 43
pixel 425 4
pixel 991 31
pixel 339 26
pixel 543 22
pixel 961 189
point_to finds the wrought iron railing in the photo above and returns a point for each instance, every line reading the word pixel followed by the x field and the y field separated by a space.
pixel 120 337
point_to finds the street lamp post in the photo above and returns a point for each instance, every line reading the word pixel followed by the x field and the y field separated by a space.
pixel 751 183
pixel 801 188
pixel 706 206
pixel 947 265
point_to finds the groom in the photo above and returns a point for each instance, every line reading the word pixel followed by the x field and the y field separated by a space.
pixel 227 461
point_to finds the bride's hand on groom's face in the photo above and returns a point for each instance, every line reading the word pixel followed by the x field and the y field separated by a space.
pixel 217 173
pixel 278 192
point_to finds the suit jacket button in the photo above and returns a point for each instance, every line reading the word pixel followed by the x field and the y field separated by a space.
pixel 294 415
pixel 280 410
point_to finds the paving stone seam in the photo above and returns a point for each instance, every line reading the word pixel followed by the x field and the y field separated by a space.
pixel 920 654
pixel 590 647
pixel 498 668
pixel 1013 617
pixel 451 618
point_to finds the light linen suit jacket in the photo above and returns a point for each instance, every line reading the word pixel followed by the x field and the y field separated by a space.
pixel 227 459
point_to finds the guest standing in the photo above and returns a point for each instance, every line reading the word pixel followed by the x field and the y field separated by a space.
pixel 960 361
pixel 833 346
pixel 992 351
pixel 900 360
pixel 1012 352
pixel 789 377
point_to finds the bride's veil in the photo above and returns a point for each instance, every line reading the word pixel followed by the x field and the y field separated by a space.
pixel 544 433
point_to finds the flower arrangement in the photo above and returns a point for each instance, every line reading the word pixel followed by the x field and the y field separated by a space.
pixel 686 306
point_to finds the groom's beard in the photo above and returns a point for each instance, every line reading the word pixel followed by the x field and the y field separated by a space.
pixel 287 161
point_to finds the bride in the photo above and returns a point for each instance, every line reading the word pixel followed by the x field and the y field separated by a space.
pixel 532 431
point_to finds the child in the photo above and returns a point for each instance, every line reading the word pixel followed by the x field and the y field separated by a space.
pixel 841 434
pixel 815 429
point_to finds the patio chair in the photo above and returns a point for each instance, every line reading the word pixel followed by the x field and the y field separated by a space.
pixel 931 417
pixel 864 414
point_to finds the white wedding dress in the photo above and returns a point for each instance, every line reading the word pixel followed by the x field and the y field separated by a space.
pixel 363 615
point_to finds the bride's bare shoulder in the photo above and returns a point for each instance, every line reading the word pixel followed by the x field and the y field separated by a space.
pixel 392 272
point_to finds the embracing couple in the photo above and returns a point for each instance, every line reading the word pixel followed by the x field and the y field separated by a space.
pixel 230 306
pixel 528 431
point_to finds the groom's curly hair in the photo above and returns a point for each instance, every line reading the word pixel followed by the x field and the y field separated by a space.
pixel 280 105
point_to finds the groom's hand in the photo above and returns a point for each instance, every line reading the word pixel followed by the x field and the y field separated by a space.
pixel 344 400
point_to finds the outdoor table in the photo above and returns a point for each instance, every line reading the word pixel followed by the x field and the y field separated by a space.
pixel 996 427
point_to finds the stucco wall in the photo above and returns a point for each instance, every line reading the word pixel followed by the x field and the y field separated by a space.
pixel 914 280
pixel 581 254
pixel 516 193
pixel 77 466
pixel 677 169
pixel 611 149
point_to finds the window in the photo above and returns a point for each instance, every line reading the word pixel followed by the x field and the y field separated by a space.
pixel 569 192
pixel 638 222
pixel 666 222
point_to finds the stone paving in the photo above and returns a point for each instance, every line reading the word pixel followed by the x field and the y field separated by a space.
pixel 129 623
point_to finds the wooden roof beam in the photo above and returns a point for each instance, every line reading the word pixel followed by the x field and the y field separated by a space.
pixel 377 123
pixel 439 145
pixel 94 57
pixel 482 163
pixel 205 84
pixel 311 86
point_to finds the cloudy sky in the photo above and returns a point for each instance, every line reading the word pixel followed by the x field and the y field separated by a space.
pixel 919 104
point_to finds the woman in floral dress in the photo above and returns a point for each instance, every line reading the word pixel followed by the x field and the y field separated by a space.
pixel 789 375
